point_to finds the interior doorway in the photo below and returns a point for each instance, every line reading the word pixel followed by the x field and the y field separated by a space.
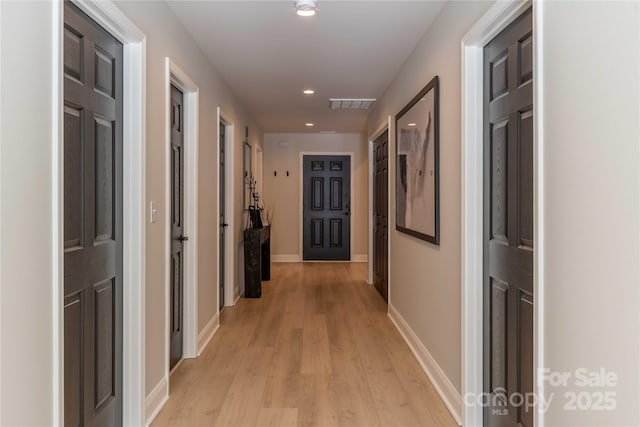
pixel 227 254
pixel 133 207
pixel 181 220
pixel 326 203
pixel 488 304
pixel 177 228
pixel 259 174
pixel 93 222
pixel 508 308
pixel 380 171
pixel 223 208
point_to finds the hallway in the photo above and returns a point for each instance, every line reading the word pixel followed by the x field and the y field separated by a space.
pixel 316 350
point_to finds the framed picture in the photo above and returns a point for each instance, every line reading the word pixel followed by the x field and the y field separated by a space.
pixel 417 155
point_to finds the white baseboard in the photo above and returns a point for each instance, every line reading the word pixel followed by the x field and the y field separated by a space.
pixel 439 379
pixel 156 400
pixel 298 258
pixel 286 258
pixel 208 332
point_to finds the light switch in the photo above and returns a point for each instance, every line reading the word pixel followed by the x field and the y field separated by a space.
pixel 153 211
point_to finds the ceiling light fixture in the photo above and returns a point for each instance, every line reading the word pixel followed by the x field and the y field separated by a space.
pixel 309 125
pixel 308 91
pixel 411 124
pixel 306 7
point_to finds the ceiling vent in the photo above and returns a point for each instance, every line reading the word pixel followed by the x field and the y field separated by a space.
pixel 350 104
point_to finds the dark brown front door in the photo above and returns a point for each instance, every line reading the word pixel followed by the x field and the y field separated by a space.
pixel 92 223
pixel 177 226
pixel 381 217
pixel 327 208
pixel 508 225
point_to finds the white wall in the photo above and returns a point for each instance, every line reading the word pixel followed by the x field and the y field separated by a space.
pixel 26 319
pixel 282 192
pixel 167 37
pixel 591 218
pixel 425 279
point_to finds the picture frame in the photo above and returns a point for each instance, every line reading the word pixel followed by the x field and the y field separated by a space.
pixel 418 165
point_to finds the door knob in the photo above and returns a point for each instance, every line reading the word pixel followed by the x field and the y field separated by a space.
pixel 224 224
pixel 182 238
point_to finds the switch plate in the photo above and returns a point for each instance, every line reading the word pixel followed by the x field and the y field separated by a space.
pixel 153 212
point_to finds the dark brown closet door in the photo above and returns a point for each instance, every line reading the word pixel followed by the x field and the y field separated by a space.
pixel 92 223
pixel 508 189
pixel 381 217
pixel 177 227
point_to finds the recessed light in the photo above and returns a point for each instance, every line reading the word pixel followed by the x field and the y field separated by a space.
pixel 308 91
pixel 411 124
pixel 306 7
pixel 309 125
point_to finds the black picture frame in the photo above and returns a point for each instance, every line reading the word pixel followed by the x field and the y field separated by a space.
pixel 418 174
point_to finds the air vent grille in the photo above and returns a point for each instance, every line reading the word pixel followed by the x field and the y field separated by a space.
pixel 350 104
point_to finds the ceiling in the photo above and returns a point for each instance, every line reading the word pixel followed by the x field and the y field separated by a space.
pixel 268 55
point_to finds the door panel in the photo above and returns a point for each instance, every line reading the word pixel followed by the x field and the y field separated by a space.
pixel 104 301
pixel 104 179
pixel 508 216
pixel 336 193
pixel 73 179
pixel 92 222
pixel 336 232
pixel 381 217
pixel 73 372
pixel 317 193
pixel 317 233
pixel 177 227
pixel 326 214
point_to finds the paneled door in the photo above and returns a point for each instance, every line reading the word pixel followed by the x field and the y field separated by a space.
pixel 223 207
pixel 380 212
pixel 177 227
pixel 326 208
pixel 92 223
pixel 508 223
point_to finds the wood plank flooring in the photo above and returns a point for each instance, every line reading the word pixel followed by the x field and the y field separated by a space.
pixel 316 350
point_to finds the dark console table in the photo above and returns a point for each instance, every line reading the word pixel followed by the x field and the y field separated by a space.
pixel 257 260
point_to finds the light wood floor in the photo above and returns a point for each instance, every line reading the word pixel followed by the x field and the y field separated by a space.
pixel 316 350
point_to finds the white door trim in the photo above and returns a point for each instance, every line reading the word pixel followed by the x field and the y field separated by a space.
pixel 375 135
pixel 230 253
pixel 175 76
pixel 352 180
pixel 106 14
pixel 259 173
pixel 496 19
